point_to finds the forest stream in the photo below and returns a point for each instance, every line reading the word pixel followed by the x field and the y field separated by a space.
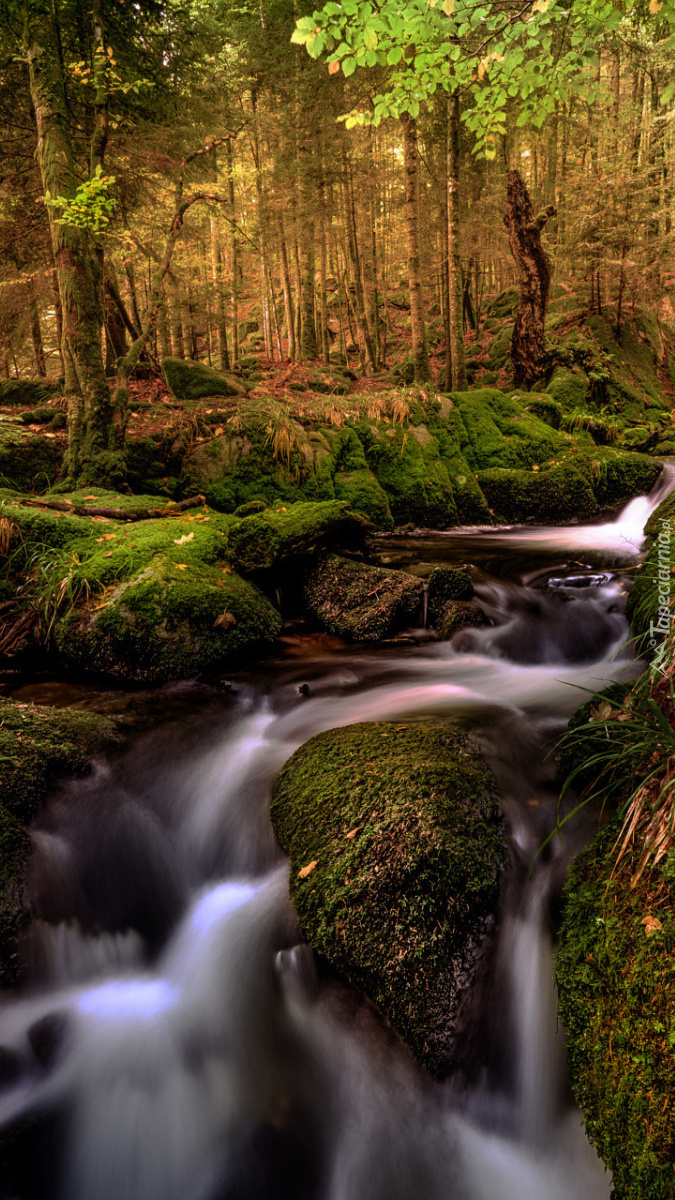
pixel 177 1041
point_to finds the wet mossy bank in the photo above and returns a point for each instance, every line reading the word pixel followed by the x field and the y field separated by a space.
pixel 396 843
pixel 37 746
pixel 616 962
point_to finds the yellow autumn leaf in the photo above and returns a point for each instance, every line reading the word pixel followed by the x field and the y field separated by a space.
pixel 654 6
pixel 305 871
pixel 448 7
pixel 353 832
pixel 187 537
pixel 181 566
pixel 651 924
pixel 333 68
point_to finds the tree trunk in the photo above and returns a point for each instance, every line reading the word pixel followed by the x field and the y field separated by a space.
pixel 534 269
pixel 36 333
pixel 91 427
pixel 459 381
pixel 410 161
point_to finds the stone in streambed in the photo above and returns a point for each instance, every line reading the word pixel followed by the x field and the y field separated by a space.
pixel 459 614
pixel 396 843
pixel 361 603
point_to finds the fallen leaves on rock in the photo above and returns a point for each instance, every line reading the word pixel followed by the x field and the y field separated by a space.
pixel 305 871
pixel 225 620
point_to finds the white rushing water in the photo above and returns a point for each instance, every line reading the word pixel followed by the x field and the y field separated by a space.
pixel 179 1046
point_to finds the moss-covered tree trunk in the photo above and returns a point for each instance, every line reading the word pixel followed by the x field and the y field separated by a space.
pixel 534 270
pixel 412 228
pixel 91 428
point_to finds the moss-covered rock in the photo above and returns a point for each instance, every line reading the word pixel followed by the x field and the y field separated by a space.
pixel 616 476
pixel 359 602
pixel 404 842
pixel 557 495
pixel 39 744
pixel 170 621
pixel 27 393
pixel 459 614
pixel 548 411
pixel 569 387
pixel 408 465
pixel 28 462
pixel 190 381
pixel 14 851
pixel 444 584
pixel 267 539
pixel 616 980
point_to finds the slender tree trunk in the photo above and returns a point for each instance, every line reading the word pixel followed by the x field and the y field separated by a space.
pixel 91 428
pixel 287 290
pixel 234 251
pixel 36 333
pixel 410 167
pixel 457 354
pixel 534 269
pixel 358 299
pixel 217 278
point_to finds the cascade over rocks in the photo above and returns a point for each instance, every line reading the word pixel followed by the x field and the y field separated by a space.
pixel 396 843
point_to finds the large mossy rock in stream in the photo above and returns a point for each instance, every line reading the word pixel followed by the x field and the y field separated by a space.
pixel 396 843
pixel 615 974
pixel 191 381
pixel 170 621
pixel 552 496
pixel 268 539
pixel 37 745
pixel 361 603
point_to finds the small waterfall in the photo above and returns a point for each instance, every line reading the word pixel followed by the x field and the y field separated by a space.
pixel 176 1035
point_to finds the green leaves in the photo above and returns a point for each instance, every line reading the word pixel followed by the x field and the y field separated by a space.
pixel 91 207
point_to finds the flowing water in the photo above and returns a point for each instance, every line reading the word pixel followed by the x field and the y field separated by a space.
pixel 176 1042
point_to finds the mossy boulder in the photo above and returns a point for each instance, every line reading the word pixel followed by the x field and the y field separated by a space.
pixel 359 602
pixel 616 476
pixel 404 841
pixel 569 387
pixel 268 539
pixel 444 584
pixel 557 495
pixel 37 745
pixel 28 461
pixel 547 410
pixel 459 614
pixel 496 430
pixel 14 851
pixel 409 466
pixel 170 621
pixel 190 381
pixel 27 393
pixel 615 973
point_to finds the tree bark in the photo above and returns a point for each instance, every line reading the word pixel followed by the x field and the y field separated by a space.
pixel 410 166
pixel 458 357
pixel 91 428
pixel 534 270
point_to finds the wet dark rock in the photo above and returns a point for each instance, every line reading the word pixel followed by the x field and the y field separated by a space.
pixel 459 614
pixel 444 584
pixel 361 603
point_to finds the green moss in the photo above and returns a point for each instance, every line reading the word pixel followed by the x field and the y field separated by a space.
pixel 551 496
pixel 363 493
pixel 267 539
pixel 359 602
pixel 169 623
pixel 14 850
pixel 548 411
pixel 28 462
pixel 444 584
pixel 615 986
pixel 458 614
pixel 190 381
pixel 408 466
pixel 570 388
pixel 399 906
pixel 27 393
pixel 39 744
pixel 616 476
